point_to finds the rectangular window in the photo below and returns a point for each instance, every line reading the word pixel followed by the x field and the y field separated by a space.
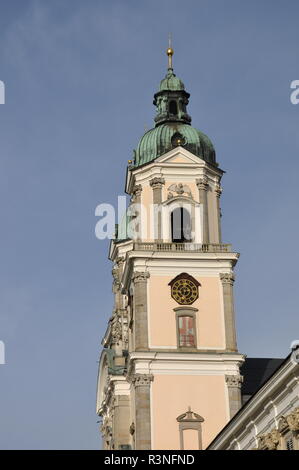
pixel 186 332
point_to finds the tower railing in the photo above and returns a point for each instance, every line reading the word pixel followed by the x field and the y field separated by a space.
pixel 194 247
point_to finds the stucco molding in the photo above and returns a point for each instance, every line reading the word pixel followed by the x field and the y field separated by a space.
pixel 180 189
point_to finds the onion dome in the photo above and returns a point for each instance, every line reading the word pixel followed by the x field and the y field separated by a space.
pixel 172 124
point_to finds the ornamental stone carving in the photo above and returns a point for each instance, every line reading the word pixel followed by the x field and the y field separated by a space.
pixel 139 276
pixel 293 420
pixel 227 278
pixel 202 183
pixel 116 331
pixel 142 380
pixel 132 429
pixel 234 380
pixel 157 182
pixel 180 189
pixel 119 261
pixel 218 190
pixel 270 440
pixel 190 416
pixel 283 425
pixel 136 192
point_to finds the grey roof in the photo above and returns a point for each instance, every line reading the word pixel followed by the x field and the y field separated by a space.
pixel 256 371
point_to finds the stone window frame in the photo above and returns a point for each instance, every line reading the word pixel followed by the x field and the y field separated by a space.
pixel 186 311
pixel 190 421
pixel 194 210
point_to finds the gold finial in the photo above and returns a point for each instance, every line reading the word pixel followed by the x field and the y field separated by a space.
pixel 169 52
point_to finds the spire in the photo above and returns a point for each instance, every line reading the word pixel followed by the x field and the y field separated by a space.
pixel 171 100
pixel 169 52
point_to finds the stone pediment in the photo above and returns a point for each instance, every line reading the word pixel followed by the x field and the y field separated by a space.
pixel 180 155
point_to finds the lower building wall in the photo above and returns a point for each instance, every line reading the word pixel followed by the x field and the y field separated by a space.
pixel 172 395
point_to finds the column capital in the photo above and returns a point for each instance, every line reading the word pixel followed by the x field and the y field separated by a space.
pixel 139 276
pixel 227 278
pixel 157 182
pixel 234 380
pixel 202 183
pixel 142 380
pixel 136 192
pixel 137 188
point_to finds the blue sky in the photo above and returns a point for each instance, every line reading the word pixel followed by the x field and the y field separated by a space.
pixel 80 78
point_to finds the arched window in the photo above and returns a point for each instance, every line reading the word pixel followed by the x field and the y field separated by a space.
pixel 180 226
pixel 173 108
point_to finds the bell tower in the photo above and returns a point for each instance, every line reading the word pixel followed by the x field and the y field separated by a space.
pixel 169 371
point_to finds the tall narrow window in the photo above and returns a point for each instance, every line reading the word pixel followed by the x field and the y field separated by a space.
pixel 173 108
pixel 190 430
pixel 186 332
pixel 180 225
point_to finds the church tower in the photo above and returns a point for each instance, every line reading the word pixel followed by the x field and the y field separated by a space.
pixel 169 371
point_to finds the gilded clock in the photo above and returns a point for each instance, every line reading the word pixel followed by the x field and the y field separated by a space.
pixel 184 289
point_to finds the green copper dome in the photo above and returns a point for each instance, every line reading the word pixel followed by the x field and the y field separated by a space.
pixel 166 136
pixel 172 124
pixel 171 82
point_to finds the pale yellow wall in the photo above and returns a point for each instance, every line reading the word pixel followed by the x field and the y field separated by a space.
pixel 190 439
pixel 162 318
pixel 180 159
pixel 173 394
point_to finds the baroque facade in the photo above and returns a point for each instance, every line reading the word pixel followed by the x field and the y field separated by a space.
pixel 169 373
pixel 269 420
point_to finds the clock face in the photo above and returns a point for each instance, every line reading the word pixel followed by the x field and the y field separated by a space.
pixel 184 291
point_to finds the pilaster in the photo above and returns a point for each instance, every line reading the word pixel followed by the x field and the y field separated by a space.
pixel 227 280
pixel 203 186
pixel 157 184
pixel 142 384
pixel 234 383
pixel 140 310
